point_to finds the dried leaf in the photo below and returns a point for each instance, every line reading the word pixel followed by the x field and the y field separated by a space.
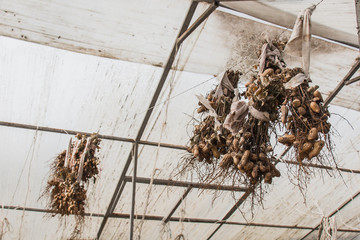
pixel 262 116
pixel 236 117
pixel 295 81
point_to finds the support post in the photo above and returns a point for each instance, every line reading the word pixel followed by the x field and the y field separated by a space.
pixel 133 196
pixel 357 11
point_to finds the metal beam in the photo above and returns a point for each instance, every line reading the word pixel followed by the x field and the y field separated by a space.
pixel 167 218
pixel 357 10
pixel 154 99
pixel 197 23
pixel 174 219
pixel 355 79
pixel 40 210
pixel 133 191
pixel 150 143
pixel 312 165
pixel 334 212
pixel 169 182
pixel 352 71
pixel 74 132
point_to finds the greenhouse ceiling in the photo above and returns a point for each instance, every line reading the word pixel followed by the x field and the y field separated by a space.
pixel 116 69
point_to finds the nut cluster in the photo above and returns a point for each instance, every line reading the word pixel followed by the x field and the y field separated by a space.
pixel 307 121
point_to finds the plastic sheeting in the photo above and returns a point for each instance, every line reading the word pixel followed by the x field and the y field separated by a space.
pixel 55 88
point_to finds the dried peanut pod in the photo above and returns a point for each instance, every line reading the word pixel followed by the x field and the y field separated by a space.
pixel 264 168
pixel 242 141
pixel 306 147
pixel 201 109
pixel 196 150
pixel 268 178
pixel 226 161
pixel 262 156
pixel 254 157
pixel 239 155
pixel 254 181
pixel 206 148
pixel 287 139
pixel 284 113
pixel 236 160
pixel 247 135
pixel 287 77
pixel 268 72
pixel 241 168
pixel 316 99
pixel 235 144
pixel 254 172
pixel 275 172
pixel 314 107
pixel 317 94
pixel 245 157
pixel 312 89
pixel 296 143
pixel 269 148
pixel 318 145
pixel 296 102
pixel 215 152
pixel 313 134
pixel 301 111
pixel 228 141
pixel 249 166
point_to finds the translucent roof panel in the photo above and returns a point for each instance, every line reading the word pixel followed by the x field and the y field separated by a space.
pixel 145 33
pixel 56 88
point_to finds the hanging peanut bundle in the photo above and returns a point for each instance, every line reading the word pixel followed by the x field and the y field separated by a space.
pixel 306 119
pixel 209 136
pixel 71 170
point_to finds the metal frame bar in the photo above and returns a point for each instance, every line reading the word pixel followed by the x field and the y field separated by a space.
pixel 355 79
pixel 357 11
pixel 133 192
pixel 187 191
pixel 312 165
pixel 150 143
pixel 173 183
pixel 74 132
pixel 174 219
pixel 197 23
pixel 334 212
pixel 342 83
